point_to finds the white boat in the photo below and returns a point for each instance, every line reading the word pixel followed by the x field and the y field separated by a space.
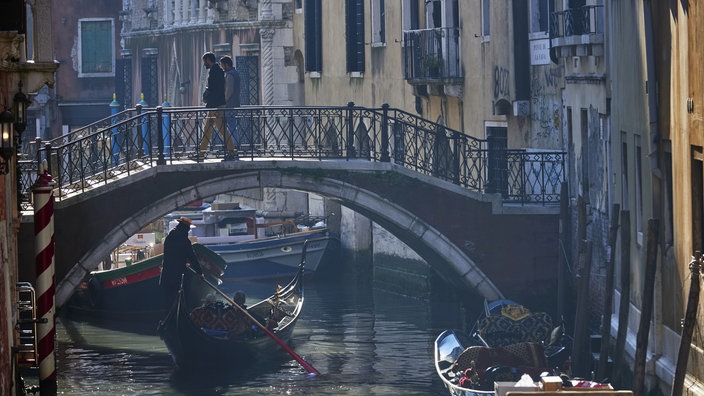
pixel 251 248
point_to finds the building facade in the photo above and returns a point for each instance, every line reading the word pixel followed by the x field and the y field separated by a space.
pixel 26 65
pixel 159 61
pixel 595 79
pixel 163 41
pixel 86 41
pixel 676 31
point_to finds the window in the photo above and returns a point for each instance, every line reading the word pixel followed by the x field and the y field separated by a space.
pixel 539 16
pixel 624 171
pixel 639 186
pixel 96 55
pixel 411 15
pixel 584 142
pixel 313 21
pixel 570 143
pixel 378 23
pixel 433 14
pixel 354 13
pixel 671 308
pixel 486 18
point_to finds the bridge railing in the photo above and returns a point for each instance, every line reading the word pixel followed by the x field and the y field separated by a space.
pixel 134 140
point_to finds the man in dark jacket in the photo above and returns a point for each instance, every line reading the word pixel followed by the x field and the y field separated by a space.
pixel 177 250
pixel 214 97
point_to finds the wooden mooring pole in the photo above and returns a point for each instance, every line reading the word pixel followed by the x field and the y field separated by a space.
pixel 581 356
pixel 608 300
pixel 647 307
pixel 624 303
pixel 562 249
pixel 690 318
pixel 46 286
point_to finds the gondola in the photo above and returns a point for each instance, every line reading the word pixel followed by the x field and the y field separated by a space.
pixel 132 292
pixel 196 347
pixel 507 341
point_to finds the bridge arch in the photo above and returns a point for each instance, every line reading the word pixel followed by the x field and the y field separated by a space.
pixel 440 252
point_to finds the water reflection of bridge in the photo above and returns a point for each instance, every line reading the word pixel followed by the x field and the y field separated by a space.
pixel 469 207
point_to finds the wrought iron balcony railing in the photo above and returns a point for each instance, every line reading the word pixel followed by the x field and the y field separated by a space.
pixel 431 55
pixel 586 20
pixel 136 139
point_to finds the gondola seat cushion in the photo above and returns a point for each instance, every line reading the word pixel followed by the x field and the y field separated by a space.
pixel 204 316
pixel 526 356
pixel 500 330
pixel 235 322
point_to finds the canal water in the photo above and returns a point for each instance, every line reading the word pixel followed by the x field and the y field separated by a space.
pixel 364 342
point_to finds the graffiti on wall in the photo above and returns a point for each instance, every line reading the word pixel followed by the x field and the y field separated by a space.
pixel 546 101
pixel 501 86
pixel 598 172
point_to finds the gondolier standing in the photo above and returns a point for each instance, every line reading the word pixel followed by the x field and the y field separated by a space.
pixel 177 251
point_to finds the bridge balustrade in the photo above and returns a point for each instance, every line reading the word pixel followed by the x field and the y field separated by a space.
pixel 138 138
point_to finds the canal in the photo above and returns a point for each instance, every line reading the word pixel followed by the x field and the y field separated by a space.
pixel 363 340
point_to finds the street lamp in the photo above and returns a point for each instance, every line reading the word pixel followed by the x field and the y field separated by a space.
pixel 7 141
pixel 21 102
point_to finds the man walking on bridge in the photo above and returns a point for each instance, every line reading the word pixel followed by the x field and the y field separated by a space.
pixel 214 97
pixel 232 97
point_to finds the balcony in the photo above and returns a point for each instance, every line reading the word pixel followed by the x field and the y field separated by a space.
pixel 578 31
pixel 432 56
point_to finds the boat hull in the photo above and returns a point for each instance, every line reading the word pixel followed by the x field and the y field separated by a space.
pixel 448 347
pixel 133 292
pixel 276 257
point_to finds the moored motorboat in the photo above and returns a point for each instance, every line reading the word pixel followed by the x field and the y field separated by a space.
pixel 132 291
pixel 216 343
pixel 253 249
pixel 271 257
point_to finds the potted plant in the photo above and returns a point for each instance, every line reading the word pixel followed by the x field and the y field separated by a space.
pixel 432 65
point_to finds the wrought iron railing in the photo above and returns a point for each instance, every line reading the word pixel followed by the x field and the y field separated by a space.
pixel 140 138
pixel 577 21
pixel 432 54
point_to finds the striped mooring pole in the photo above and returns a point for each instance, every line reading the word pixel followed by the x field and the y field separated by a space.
pixel 44 261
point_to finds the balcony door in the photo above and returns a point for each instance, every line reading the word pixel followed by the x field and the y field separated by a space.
pixel 443 17
pixel 576 18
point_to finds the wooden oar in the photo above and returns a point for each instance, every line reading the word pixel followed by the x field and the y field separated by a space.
pixel 309 368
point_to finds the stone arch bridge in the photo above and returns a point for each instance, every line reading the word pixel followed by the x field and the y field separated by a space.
pixel 476 238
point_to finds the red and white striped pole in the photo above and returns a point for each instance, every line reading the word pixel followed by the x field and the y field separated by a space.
pixel 44 261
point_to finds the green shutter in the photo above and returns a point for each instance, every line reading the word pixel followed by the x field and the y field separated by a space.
pixel 96 47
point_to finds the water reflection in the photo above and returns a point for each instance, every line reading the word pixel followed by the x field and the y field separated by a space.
pixel 365 342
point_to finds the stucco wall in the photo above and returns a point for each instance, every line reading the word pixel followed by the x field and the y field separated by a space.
pixel 382 81
pixel 686 83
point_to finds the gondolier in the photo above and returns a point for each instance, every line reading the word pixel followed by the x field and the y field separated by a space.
pixel 192 346
pixel 177 251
